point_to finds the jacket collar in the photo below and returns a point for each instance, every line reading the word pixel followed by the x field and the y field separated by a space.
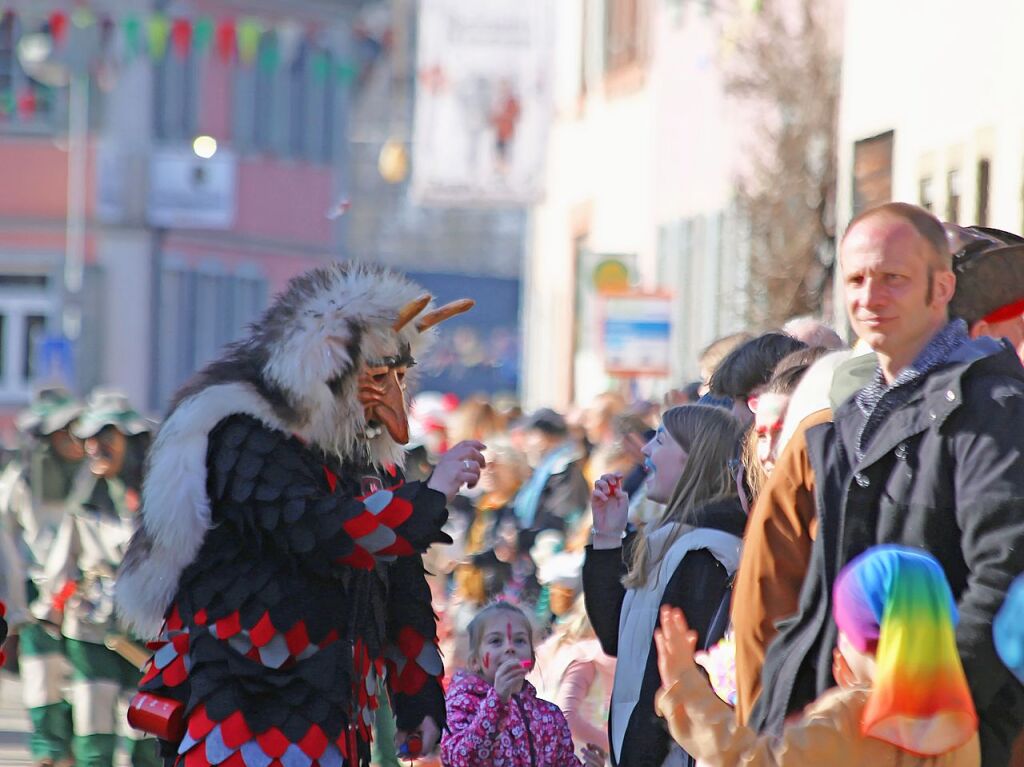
pixel 939 396
pixel 726 515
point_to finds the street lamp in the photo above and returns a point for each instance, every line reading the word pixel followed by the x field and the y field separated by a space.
pixel 204 147
pixel 36 55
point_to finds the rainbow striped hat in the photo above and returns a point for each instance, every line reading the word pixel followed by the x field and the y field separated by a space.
pixel 895 601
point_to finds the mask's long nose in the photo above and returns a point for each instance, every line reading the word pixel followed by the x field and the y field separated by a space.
pixel 391 409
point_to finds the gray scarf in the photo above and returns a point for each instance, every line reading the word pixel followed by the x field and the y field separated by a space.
pixel 878 399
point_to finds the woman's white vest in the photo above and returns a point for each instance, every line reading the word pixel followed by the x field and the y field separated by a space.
pixel 639 615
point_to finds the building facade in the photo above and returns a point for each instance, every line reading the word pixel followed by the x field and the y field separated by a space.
pixel 926 113
pixel 118 230
pixel 642 162
pixel 454 251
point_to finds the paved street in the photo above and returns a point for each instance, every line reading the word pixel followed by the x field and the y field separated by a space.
pixel 14 724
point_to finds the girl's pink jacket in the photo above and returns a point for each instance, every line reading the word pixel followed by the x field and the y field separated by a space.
pixel 484 731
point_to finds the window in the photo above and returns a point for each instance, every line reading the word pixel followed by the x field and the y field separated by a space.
pixel 288 110
pixel 38 281
pixel 953 196
pixel 268 105
pixel 34 329
pixel 981 214
pixel 24 102
pixel 203 310
pixel 926 194
pixel 584 40
pixel 243 84
pixel 298 103
pixel 324 148
pixel 28 310
pixel 872 172
pixel 176 95
pixel 8 58
pixel 624 33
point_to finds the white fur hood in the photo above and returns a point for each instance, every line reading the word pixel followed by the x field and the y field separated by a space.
pixel 175 507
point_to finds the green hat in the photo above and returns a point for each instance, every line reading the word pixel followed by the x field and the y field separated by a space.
pixel 53 409
pixel 110 408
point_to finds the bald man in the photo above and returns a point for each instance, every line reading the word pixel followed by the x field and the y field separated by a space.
pixel 929 454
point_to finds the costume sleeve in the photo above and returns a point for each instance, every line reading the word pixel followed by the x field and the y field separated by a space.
pixel 603 593
pixel 474 726
pixel 572 692
pixel 61 573
pixel 775 558
pixel 263 480
pixel 13 571
pixel 706 728
pixel 989 482
pixel 415 667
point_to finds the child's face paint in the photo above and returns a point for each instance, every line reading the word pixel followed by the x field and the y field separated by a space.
pixel 504 638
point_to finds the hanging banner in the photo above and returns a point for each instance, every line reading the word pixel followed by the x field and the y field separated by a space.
pixel 483 101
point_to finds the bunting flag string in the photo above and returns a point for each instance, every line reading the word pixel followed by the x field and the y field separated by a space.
pixel 84 35
pixel 249 40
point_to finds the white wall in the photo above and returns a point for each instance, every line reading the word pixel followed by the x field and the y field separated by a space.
pixel 629 171
pixel 945 76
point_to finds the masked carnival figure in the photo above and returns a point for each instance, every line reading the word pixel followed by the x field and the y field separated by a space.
pixel 77 591
pixel 34 495
pixel 278 560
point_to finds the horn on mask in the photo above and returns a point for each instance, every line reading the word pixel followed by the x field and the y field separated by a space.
pixel 445 312
pixel 410 311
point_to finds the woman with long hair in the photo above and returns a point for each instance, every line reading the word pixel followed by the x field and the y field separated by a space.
pixel 683 558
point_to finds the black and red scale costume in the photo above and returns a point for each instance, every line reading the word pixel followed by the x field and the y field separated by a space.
pixel 279 547
pixel 307 589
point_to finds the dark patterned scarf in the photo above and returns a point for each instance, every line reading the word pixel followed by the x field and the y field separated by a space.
pixel 878 399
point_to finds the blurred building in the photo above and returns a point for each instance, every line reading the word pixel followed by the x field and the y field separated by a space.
pixel 927 110
pixel 454 250
pixel 117 228
pixel 639 196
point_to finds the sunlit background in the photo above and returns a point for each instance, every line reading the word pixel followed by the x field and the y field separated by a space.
pixel 617 182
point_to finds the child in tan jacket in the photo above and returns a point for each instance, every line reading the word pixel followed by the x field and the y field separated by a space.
pixel 902 697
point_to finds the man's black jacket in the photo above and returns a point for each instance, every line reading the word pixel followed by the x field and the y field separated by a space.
pixel 944 472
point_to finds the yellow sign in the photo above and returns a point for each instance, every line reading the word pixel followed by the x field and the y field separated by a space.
pixel 611 276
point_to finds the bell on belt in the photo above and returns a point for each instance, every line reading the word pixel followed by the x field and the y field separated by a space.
pixel 163 717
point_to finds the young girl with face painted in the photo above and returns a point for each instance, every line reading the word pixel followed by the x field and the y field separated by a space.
pixel 494 714
pixel 685 557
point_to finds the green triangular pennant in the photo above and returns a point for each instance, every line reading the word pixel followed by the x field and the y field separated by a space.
pixel 202 35
pixel 130 29
pixel 270 53
pixel 320 66
pixel 346 71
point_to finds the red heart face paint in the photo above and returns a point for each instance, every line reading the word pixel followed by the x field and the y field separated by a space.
pixel 487 660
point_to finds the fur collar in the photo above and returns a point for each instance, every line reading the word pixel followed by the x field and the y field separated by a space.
pixel 175 508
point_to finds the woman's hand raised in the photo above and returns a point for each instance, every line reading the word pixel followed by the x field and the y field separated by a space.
pixel 611 510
